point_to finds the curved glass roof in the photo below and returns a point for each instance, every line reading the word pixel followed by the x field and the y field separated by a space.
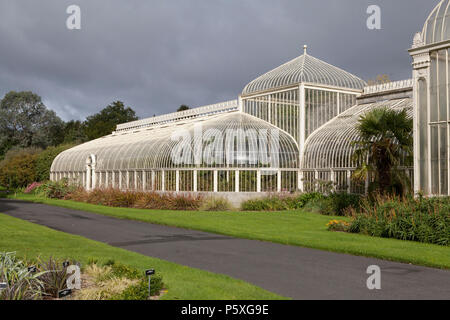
pixel 331 147
pixel 437 26
pixel 304 69
pixel 152 148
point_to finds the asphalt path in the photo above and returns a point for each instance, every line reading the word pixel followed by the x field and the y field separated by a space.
pixel 295 272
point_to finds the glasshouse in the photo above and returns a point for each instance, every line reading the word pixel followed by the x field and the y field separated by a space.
pixel 291 129
pixel 431 53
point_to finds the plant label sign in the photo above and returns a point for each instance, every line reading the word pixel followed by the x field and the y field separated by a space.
pixel 3 285
pixel 64 293
pixel 149 272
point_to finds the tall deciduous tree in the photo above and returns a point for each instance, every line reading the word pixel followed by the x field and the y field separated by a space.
pixel 105 122
pixel 386 144
pixel 26 122
pixel 74 132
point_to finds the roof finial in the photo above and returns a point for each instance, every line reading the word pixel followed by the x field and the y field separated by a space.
pixel 305 48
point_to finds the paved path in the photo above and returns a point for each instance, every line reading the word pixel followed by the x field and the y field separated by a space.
pixel 295 272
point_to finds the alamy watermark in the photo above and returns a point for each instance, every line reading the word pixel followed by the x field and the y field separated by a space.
pixel 374 281
pixel 374 19
pixel 73 22
pixel 74 279
pixel 212 147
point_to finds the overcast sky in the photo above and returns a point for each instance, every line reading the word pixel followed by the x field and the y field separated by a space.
pixel 158 54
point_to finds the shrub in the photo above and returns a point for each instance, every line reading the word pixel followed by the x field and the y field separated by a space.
pixel 153 200
pixel 140 291
pixel 21 283
pixel 280 203
pixel 55 189
pixel 54 275
pixel 122 271
pixel 45 159
pixel 271 203
pixel 255 205
pixel 132 199
pixel 423 220
pixel 184 202
pixel 216 204
pixel 31 187
pixel 338 225
pixel 137 291
pixel 18 169
pixel 337 204
pixel 105 289
pixel 300 201
pixel 315 205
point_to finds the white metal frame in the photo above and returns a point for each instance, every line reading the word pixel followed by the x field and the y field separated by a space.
pixel 428 47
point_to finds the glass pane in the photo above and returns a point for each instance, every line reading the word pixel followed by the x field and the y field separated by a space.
pixel 439 20
pixel 430 28
pixel 433 88
pixel 423 136
pixel 444 159
pixel 446 34
pixel 442 65
pixel 434 160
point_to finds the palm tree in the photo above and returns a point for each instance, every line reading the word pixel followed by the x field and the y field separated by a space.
pixel 386 143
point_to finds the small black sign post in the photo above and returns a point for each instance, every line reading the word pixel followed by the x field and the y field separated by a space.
pixel 149 274
pixel 3 285
pixel 64 293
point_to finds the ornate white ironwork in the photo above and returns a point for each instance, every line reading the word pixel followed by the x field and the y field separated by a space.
pixel 304 69
pixel 390 86
pixel 179 116
pixel 329 150
pixel 437 26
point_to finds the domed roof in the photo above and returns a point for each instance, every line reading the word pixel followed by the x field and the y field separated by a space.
pixel 333 146
pixel 153 147
pixel 304 69
pixel 437 26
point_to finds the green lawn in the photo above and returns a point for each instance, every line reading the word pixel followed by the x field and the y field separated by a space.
pixel 30 240
pixel 292 228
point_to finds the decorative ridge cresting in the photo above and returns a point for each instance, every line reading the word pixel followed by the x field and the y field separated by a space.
pixel 391 86
pixel 213 109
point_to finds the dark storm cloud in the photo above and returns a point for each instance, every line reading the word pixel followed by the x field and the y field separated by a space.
pixel 156 55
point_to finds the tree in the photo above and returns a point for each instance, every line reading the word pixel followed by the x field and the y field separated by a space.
pixel 45 159
pixel 183 107
pixel 74 132
pixel 386 142
pixel 105 122
pixel 26 122
pixel 380 79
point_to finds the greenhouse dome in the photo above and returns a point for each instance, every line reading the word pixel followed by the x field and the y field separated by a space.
pixel 153 147
pixel 304 69
pixel 152 156
pixel 437 26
